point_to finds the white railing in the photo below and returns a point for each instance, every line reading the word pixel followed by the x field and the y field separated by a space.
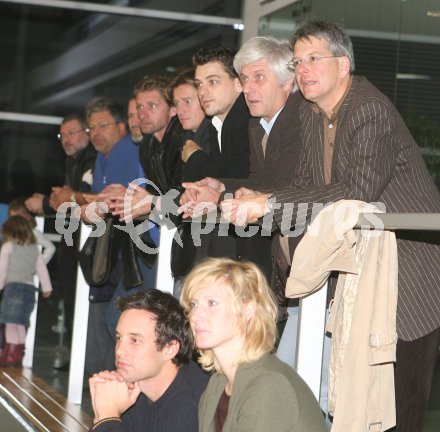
pixel 310 323
pixel 79 337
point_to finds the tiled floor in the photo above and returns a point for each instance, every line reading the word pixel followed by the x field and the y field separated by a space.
pixel 49 352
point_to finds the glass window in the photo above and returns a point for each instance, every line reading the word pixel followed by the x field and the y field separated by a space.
pixel 397 47
pixel 54 60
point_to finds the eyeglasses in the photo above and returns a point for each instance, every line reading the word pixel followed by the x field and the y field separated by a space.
pixel 311 60
pixel 69 134
pixel 99 127
pixel 183 102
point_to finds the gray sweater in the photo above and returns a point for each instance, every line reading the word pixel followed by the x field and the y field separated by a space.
pixel 22 263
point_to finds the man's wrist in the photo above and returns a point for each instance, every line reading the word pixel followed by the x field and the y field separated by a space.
pixel 105 420
pixel 270 201
pixel 155 202
pixel 79 198
pixel 219 196
pixel 73 198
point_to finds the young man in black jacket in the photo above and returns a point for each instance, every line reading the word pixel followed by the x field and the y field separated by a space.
pixel 156 386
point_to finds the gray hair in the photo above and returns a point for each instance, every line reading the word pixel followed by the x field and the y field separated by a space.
pixel 338 41
pixel 278 53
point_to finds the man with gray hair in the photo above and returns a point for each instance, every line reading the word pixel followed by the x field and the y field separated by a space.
pixel 274 138
pixel 356 146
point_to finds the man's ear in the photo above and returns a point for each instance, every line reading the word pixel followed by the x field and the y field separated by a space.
pixel 238 87
pixel 288 85
pixel 344 66
pixel 173 111
pixel 122 128
pixel 170 351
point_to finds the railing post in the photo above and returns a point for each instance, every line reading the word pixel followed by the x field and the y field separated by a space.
pixel 310 341
pixel 28 358
pixel 79 335
pixel 164 279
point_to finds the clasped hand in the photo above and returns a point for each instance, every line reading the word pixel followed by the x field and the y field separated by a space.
pixel 127 203
pixel 111 394
pixel 245 208
pixel 203 196
pixel 200 197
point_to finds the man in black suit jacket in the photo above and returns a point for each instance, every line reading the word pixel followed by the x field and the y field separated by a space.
pixel 220 95
pixel 267 87
pixel 356 146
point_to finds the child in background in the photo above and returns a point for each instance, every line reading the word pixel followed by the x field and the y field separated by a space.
pixel 18 208
pixel 19 260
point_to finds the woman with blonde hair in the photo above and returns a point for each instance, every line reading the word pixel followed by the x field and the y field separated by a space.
pixel 233 318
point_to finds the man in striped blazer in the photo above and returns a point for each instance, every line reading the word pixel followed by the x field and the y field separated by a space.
pixel 355 145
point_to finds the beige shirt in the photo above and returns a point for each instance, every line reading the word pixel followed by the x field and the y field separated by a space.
pixel 329 128
pixel 363 314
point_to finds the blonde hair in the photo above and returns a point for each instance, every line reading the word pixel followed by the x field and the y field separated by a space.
pixel 247 284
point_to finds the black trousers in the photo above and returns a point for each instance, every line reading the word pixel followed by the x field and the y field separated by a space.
pixel 68 264
pixel 416 361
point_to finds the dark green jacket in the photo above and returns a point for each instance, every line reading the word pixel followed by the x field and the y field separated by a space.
pixel 267 395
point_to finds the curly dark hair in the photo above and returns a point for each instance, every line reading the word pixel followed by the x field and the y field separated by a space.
pixel 171 322
pixel 219 54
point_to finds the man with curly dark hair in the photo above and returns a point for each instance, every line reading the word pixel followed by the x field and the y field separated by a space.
pixel 156 386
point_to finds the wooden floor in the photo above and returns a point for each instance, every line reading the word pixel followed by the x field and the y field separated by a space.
pixel 46 409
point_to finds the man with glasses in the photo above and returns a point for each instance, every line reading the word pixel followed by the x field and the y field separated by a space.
pixel 356 146
pixel 118 156
pixel 79 164
pixel 117 162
